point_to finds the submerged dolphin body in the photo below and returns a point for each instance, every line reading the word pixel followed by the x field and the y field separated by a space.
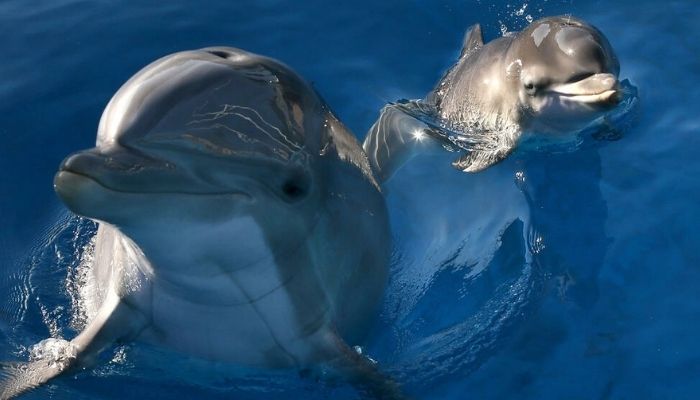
pixel 552 79
pixel 239 221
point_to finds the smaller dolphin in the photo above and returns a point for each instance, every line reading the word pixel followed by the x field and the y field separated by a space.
pixel 239 222
pixel 555 77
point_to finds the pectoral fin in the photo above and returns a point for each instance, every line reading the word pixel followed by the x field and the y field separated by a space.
pixel 19 377
pixel 475 161
pixel 347 147
pixel 115 320
pixel 366 376
pixel 360 371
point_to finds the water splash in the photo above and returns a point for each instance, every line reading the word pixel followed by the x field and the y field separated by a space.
pixel 471 135
pixel 57 353
pixel 36 309
pixel 80 286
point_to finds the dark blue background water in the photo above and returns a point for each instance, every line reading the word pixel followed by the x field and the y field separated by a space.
pixel 617 309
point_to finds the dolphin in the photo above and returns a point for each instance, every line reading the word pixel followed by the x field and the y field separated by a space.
pixel 554 78
pixel 239 222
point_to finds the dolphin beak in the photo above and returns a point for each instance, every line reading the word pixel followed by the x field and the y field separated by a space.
pixel 595 89
pixel 130 171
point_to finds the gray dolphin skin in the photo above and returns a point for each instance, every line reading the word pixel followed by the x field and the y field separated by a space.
pixel 239 222
pixel 555 77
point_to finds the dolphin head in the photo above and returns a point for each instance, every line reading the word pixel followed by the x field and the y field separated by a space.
pixel 565 73
pixel 202 143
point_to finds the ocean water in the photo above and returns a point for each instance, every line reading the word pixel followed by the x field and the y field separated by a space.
pixel 554 275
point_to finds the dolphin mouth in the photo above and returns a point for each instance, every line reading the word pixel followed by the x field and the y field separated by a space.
pixel 594 89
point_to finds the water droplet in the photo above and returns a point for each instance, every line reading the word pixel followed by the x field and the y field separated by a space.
pixel 503 27
pixel 521 11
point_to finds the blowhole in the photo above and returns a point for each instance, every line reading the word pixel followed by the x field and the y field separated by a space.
pixel 219 53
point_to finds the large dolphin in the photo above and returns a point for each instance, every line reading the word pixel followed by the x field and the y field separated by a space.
pixel 553 78
pixel 239 221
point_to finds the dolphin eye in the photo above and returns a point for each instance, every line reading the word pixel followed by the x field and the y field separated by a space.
pixel 295 188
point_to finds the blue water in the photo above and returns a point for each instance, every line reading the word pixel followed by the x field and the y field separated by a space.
pixel 577 278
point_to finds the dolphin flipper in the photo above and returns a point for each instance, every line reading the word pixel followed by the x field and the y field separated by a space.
pixel 19 377
pixel 475 161
pixel 347 147
pixel 114 321
pixel 363 373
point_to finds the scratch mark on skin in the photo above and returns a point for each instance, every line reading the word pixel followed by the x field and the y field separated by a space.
pixel 232 110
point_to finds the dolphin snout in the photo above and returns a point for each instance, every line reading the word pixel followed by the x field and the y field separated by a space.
pixel 129 170
pixel 94 161
pixel 597 89
pixel 117 169
pixel 592 85
pixel 82 163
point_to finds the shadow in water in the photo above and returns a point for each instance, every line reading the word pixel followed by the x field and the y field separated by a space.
pixel 465 269
pixel 567 206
